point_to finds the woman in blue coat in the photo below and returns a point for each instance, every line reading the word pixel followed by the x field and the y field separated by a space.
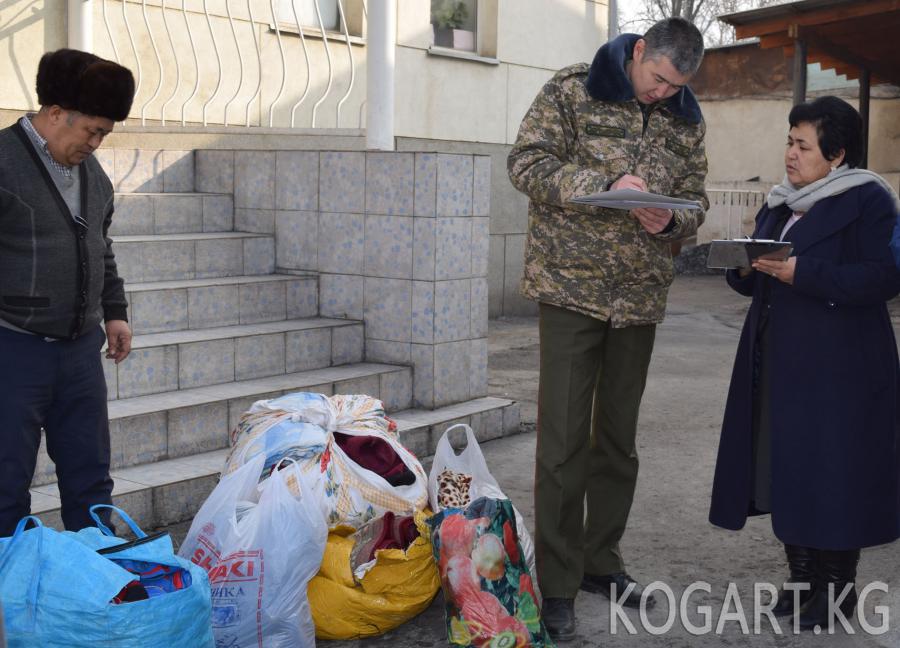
pixel 810 433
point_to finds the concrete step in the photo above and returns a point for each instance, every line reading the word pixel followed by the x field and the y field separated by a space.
pixel 165 257
pixel 153 428
pixel 171 213
pixel 162 306
pixel 171 491
pixel 164 362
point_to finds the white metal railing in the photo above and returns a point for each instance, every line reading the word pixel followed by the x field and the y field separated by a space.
pixel 731 213
pixel 200 64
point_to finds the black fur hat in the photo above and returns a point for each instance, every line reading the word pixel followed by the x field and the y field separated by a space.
pixel 77 80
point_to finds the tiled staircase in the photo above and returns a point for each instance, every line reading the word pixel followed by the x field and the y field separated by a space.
pixel 216 329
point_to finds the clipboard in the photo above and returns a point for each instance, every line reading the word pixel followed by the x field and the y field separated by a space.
pixel 633 199
pixel 740 253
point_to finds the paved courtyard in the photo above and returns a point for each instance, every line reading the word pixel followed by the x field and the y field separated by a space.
pixel 669 538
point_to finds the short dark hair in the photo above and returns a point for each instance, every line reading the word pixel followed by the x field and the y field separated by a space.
pixel 838 126
pixel 679 41
pixel 85 83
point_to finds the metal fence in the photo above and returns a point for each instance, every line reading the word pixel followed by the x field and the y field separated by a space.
pixel 239 62
pixel 731 213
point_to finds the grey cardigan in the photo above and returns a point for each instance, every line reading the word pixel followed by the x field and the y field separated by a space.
pixel 57 279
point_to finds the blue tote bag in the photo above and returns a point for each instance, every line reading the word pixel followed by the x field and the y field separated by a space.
pixel 57 590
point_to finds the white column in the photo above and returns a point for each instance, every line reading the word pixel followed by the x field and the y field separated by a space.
pixel 81 24
pixel 380 53
pixel 613 19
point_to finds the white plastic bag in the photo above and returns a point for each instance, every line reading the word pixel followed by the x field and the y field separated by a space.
pixel 302 426
pixel 470 461
pixel 260 543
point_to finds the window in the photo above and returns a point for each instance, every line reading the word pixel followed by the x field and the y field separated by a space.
pixel 328 10
pixel 455 24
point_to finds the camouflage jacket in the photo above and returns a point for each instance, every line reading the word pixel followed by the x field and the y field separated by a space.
pixel 584 131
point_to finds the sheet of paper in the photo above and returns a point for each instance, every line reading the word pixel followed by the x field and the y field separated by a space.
pixel 632 199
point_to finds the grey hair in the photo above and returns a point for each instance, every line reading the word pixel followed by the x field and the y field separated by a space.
pixel 679 41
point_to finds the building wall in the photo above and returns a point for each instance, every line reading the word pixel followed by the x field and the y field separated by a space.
pixel 745 138
pixel 446 98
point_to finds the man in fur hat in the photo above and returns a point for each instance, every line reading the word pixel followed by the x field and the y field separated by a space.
pixel 601 276
pixel 58 281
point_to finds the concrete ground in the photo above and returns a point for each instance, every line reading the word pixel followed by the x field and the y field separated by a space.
pixel 668 538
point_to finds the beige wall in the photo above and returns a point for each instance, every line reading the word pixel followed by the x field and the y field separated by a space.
pixel 745 138
pixel 457 99
pixel 30 28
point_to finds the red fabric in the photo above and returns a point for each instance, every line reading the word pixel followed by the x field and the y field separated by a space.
pixel 377 455
pixel 395 533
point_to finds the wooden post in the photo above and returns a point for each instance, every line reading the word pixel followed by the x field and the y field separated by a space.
pixel 865 82
pixel 800 49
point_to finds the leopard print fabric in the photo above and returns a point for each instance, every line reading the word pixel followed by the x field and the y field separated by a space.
pixel 453 489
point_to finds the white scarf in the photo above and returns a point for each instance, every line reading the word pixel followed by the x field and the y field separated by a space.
pixel 836 182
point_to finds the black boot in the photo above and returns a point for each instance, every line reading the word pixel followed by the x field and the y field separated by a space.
pixel 837 572
pixel 802 565
pixel 558 615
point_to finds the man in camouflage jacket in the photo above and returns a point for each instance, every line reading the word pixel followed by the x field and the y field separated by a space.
pixel 601 277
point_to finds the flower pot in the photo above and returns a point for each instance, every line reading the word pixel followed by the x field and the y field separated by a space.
pixel 463 39
pixel 443 37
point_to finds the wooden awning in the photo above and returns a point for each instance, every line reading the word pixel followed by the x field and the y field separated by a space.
pixel 848 36
pixel 857 38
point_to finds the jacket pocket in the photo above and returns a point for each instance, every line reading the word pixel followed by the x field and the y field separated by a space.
pixel 18 301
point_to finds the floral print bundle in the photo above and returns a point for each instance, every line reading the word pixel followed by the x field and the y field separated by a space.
pixel 488 591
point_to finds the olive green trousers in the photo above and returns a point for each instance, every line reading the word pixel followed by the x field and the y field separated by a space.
pixel 592 377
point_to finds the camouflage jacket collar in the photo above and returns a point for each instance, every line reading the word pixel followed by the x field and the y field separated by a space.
pixel 607 80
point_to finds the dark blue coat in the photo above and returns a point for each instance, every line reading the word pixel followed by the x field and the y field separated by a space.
pixel 833 382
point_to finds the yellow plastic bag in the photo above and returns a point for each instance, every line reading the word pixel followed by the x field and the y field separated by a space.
pixel 399 586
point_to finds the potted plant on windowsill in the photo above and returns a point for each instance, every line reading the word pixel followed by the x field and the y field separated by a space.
pixel 447 19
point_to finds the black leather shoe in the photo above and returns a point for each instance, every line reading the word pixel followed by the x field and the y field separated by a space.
pixel 558 615
pixel 603 585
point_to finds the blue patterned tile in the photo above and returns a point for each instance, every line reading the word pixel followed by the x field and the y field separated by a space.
pixel 163 260
pixel 214 171
pixel 422 360
pixel 297 240
pixel 258 356
pixel 107 159
pixel 148 371
pixel 388 352
pixel 481 246
pixel 256 221
pixel 423 248
pixel 178 171
pixel 342 182
pixel 133 215
pixel 423 312
pixel 177 214
pixel 389 247
pixel 451 372
pixel 210 306
pixel 479 307
pixel 347 344
pixel 218 214
pixel 219 258
pixel 453 248
pixel 262 302
pixel 309 349
pixel 201 428
pixel 481 193
pixel 297 180
pixel 138 440
pixel 478 368
pixel 342 241
pixel 388 306
pixel 452 310
pixel 259 256
pixel 341 296
pixel 205 363
pixel 454 185
pixel 139 170
pixel 302 298
pixel 153 311
pixel 426 184
pixel 254 179
pixel 396 390
pixel 389 183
